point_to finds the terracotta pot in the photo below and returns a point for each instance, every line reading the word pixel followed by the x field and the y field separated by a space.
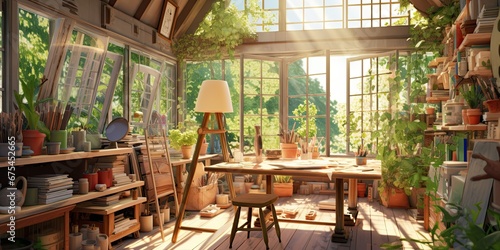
pixel 465 118
pixel 283 189
pixel 34 139
pixel 394 198
pixel 474 116
pixel 203 149
pixel 430 110
pixel 361 189
pixel 187 151
pixel 493 105
pixel 288 150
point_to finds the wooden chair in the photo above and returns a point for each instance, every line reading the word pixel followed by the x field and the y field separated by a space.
pixel 258 201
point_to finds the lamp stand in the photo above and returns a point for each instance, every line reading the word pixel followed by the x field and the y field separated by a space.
pixel 202 131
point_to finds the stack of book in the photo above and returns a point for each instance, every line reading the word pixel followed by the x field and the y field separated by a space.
pixel 486 19
pixel 118 164
pixel 106 200
pixel 123 223
pixel 52 187
pixel 121 179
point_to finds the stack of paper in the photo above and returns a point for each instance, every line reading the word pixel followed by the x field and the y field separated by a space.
pixel 106 200
pixel 52 187
pixel 486 19
pixel 117 163
pixel 121 179
pixel 123 223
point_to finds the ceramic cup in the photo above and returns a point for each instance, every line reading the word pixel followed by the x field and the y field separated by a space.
pixel 59 136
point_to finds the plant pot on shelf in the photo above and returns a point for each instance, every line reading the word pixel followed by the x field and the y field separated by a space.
pixel 474 116
pixel 283 189
pixel 34 139
pixel 187 151
pixel 430 110
pixel 465 118
pixel 394 198
pixel 493 105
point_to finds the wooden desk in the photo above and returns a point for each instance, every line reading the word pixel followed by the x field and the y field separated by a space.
pixel 338 169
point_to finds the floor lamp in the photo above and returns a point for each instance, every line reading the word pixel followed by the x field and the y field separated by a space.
pixel 213 98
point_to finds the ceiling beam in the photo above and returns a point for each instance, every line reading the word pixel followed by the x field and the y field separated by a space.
pixel 191 15
pixel 338 41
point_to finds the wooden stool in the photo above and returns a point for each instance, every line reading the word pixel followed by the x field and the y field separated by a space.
pixel 260 201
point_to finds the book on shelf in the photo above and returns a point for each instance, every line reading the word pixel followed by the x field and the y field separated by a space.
pixel 48 177
pixel 51 190
pixel 44 201
pixel 104 203
pixel 112 197
pixel 55 194
pixel 124 225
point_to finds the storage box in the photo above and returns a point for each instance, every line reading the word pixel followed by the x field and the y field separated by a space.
pixel 200 197
pixel 446 171
pixel 457 189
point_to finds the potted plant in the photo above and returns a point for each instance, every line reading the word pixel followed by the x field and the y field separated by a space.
pixel 474 98
pixel 283 185
pixel 35 131
pixel 183 140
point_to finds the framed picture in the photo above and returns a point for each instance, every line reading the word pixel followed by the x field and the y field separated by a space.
pixel 167 19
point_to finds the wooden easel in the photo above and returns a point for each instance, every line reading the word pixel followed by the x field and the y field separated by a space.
pixel 202 131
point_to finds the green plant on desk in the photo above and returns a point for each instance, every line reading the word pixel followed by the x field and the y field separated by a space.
pixel 283 179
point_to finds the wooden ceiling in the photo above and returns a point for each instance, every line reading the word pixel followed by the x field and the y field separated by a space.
pixel 187 17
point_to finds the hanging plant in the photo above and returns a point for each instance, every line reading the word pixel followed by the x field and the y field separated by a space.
pixel 219 33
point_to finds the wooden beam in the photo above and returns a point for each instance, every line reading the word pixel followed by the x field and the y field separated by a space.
pixel 142 8
pixel 190 16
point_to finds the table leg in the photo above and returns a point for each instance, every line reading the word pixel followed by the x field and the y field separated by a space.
pixel 352 200
pixel 352 203
pixel 339 234
pixel 269 184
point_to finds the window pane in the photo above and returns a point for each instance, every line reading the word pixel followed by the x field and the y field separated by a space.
pixel 313 15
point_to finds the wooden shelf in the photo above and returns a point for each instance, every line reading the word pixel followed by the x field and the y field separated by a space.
pixel 438 60
pixel 66 157
pixel 482 72
pixel 103 210
pixel 437 99
pixel 76 198
pixel 477 127
pixel 475 39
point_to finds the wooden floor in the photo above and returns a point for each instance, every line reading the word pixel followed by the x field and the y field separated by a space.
pixel 375 225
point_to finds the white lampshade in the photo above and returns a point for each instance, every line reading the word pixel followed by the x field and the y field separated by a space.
pixel 214 97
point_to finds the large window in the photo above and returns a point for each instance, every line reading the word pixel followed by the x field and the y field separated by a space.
pixel 369 79
pixel 261 102
pixel 272 11
pixel 34 43
pixel 308 104
pixel 152 90
pixel 328 14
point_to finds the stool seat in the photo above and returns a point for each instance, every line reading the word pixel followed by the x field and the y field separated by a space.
pixel 255 201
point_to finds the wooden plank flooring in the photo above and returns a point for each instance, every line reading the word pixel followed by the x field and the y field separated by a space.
pixel 375 225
